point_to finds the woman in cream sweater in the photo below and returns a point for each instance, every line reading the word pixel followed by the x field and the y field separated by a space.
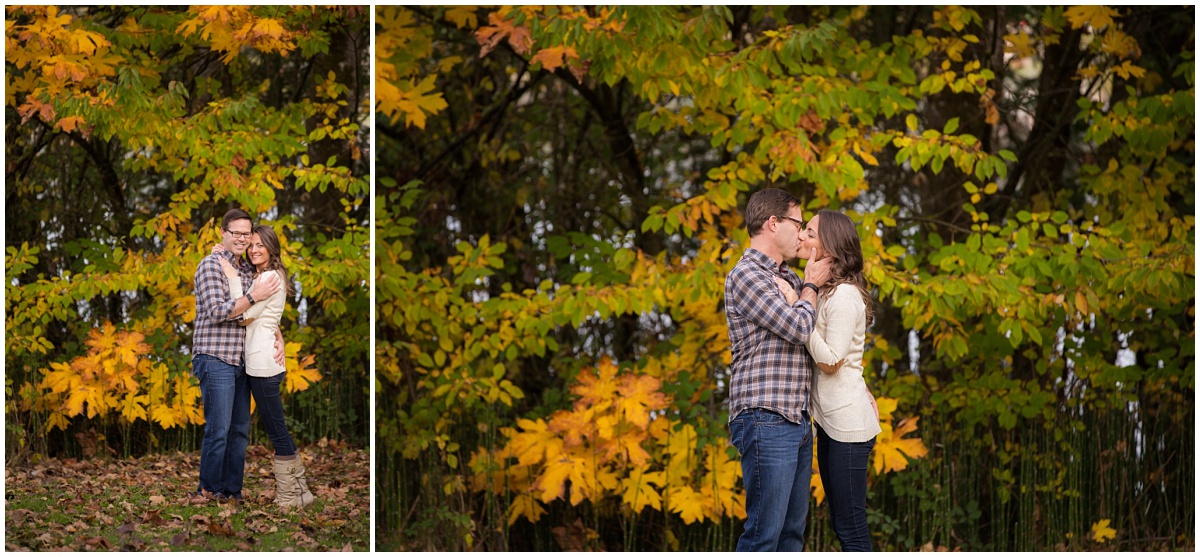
pixel 842 406
pixel 262 326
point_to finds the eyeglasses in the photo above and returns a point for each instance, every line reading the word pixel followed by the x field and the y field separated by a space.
pixel 242 235
pixel 799 223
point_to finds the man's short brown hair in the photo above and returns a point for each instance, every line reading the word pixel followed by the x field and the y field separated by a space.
pixel 232 215
pixel 765 204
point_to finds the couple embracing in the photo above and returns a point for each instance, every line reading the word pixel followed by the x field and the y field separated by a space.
pixel 237 349
pixel 797 356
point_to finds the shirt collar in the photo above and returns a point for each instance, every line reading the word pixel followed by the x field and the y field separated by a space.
pixel 763 260
pixel 238 262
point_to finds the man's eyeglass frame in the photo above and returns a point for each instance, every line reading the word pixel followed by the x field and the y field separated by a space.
pixel 799 223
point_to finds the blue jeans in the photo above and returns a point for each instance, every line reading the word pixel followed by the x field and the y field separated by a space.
pixel 844 477
pixel 226 395
pixel 776 470
pixel 270 407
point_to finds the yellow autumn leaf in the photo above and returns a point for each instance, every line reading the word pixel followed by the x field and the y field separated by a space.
pixel 524 505
pixel 75 401
pixel 886 407
pixel 639 397
pixel 1019 44
pixel 462 16
pixel 687 503
pixel 133 407
pixel 814 482
pixel 1098 17
pixel 892 451
pixel 534 443
pixel 554 57
pixel 587 479
pixel 1101 531
pixel 300 374
pixel 597 390
pixel 165 416
pixel 722 476
pixel 269 28
pixel 680 446
pixel 61 378
pixel 552 482
pixel 1120 44
pixel 639 489
pixel 629 444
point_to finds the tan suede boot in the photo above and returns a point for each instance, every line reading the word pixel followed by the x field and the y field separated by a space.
pixel 291 486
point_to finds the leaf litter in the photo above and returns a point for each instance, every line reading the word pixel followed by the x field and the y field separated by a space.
pixel 149 504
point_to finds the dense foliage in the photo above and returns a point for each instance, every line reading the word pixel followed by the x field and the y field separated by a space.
pixel 558 205
pixel 130 131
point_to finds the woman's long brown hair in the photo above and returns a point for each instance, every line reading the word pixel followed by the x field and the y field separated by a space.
pixel 270 241
pixel 840 240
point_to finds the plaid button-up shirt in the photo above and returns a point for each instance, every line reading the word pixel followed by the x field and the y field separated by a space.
pixel 214 333
pixel 771 367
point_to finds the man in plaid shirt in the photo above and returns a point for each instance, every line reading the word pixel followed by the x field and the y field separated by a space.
pixel 218 359
pixel 772 373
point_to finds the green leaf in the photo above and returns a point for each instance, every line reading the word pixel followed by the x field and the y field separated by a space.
pixel 951 126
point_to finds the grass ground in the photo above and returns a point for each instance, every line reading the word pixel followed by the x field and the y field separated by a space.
pixel 146 504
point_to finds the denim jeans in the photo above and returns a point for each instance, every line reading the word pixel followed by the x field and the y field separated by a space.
pixel 776 470
pixel 226 395
pixel 270 407
pixel 844 477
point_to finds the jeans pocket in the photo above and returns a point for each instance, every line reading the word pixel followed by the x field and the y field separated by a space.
pixel 735 434
pixel 767 418
pixel 199 367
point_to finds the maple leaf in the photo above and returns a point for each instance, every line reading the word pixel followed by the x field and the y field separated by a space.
pixel 534 443
pixel 500 28
pixel 639 397
pixel 267 27
pixel 597 390
pixel 575 426
pixel 61 378
pixel 639 492
pixel 133 407
pixel 886 406
pixel 86 42
pixel 891 449
pixel 299 373
pixel 73 406
pixel 1019 44
pixel 588 477
pixel 462 16
pixel 629 444
pixel 680 446
pixel 1098 17
pixel 1101 531
pixel 70 123
pixel 814 483
pixel 554 57
pixel 1120 44
pixel 552 482
pixel 721 480
pixel 687 503
pixel 414 103
pixel 164 415
pixel 524 505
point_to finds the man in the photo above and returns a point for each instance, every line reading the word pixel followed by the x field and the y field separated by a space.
pixel 218 360
pixel 771 373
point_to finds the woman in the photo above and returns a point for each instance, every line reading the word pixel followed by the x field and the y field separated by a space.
pixel 847 420
pixel 262 323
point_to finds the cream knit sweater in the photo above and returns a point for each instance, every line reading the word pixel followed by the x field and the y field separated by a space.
pixel 260 333
pixel 841 404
